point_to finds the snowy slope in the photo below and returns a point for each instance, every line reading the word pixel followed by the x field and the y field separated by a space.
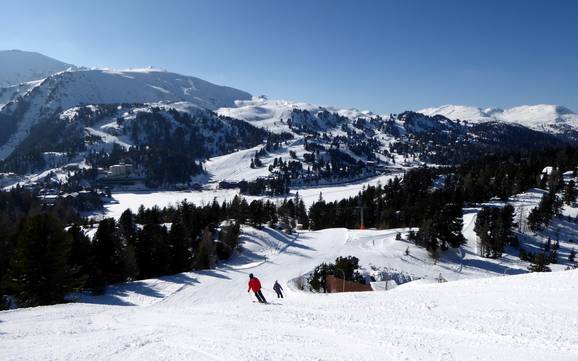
pixel 11 93
pixel 106 86
pixel 273 114
pixel 17 66
pixel 541 117
pixel 69 89
pixel 209 316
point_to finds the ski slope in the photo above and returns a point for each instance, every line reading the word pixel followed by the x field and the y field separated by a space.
pixel 272 115
pixel 209 315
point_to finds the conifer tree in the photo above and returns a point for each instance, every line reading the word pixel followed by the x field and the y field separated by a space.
pixel 80 260
pixel 553 257
pixel 535 220
pixel 39 272
pixel 205 257
pixel 271 213
pixel 316 213
pixel 569 195
pixel 494 230
pixel 127 226
pixel 110 254
pixel 302 214
pixel 152 251
pixel 179 248
pixel 257 213
pixel 539 264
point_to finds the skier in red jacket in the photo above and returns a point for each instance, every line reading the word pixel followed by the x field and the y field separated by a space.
pixel 255 286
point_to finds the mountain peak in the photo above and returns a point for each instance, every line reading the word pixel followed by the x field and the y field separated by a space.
pixel 19 66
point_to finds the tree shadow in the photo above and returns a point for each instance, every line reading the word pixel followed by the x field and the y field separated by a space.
pixel 213 273
pixel 120 294
pixel 286 240
pixel 180 278
pixel 492 267
pixel 563 229
pixel 117 295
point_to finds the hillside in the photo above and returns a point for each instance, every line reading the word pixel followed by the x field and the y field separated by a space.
pixel 95 118
pixel 17 66
pixel 290 146
pixel 69 89
pixel 209 316
pixel 540 117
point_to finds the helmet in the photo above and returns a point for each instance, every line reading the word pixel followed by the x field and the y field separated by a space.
pixel 250 275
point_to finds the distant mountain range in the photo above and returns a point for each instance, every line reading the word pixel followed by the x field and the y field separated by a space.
pixel 51 110
pixel 541 117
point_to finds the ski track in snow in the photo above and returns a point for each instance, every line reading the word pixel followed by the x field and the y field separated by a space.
pixel 208 315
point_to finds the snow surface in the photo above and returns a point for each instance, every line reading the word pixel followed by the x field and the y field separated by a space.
pixel 107 86
pixel 17 66
pixel 209 315
pixel 11 93
pixel 273 114
pixel 541 117
pixel 133 199
pixel 75 87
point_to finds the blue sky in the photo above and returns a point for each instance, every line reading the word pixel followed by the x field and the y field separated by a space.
pixel 387 56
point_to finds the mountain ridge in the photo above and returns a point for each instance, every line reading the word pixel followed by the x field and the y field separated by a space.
pixel 80 111
pixel 18 66
pixel 64 90
pixel 549 118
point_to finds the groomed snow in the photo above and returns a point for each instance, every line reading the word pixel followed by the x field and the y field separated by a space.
pixel 209 316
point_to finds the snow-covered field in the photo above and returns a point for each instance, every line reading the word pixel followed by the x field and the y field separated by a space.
pixel 209 316
pixel 330 193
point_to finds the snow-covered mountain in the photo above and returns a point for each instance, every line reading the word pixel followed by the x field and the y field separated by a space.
pixel 282 144
pixel 106 86
pixel 541 117
pixel 76 112
pixel 68 89
pixel 17 66
pixel 273 114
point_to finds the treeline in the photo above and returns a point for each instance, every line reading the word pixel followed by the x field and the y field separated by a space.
pixel 411 203
pixel 439 140
pixel 155 242
pixel 437 210
pixel 551 205
pixel 17 208
pixel 43 261
pixel 320 165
